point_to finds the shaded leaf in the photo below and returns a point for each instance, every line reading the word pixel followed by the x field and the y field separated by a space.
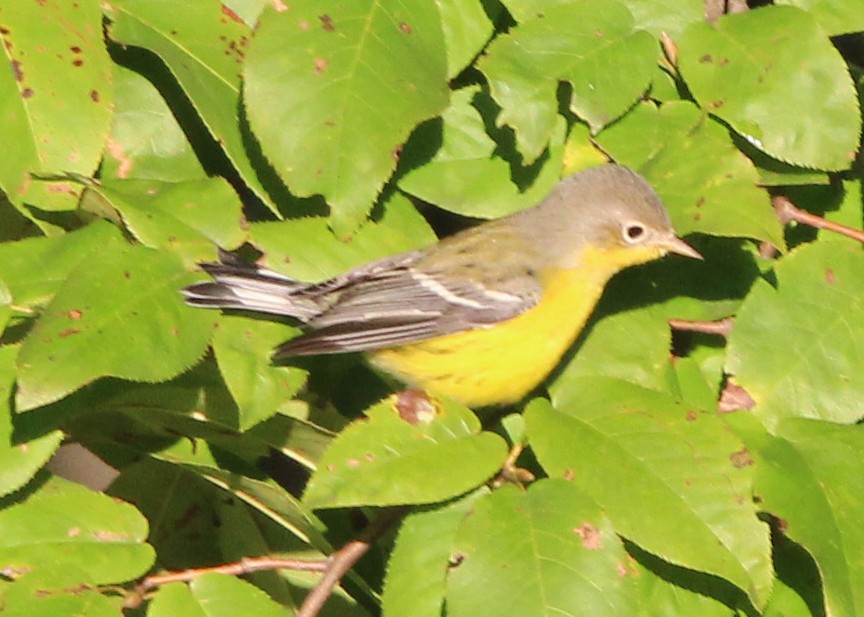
pixel 594 45
pixel 309 250
pixel 333 89
pixel 796 347
pixel 804 478
pixel 674 460
pixel 20 459
pixel 119 314
pixel 146 140
pixel 743 67
pixel 707 185
pixel 466 31
pixel 243 348
pixel 189 218
pixel 466 176
pixel 205 55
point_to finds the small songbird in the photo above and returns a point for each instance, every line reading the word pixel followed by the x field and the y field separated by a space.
pixel 482 316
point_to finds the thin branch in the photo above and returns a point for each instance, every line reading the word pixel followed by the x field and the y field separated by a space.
pixel 788 212
pixel 246 565
pixel 344 559
pixel 723 327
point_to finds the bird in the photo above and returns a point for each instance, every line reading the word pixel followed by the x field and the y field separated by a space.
pixel 483 316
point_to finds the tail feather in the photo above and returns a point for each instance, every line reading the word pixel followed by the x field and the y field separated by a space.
pixel 242 286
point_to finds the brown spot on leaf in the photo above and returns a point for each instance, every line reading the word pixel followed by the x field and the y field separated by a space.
pixel 415 407
pixel 77 62
pixel 717 104
pixel 327 22
pixel 304 25
pixel 19 72
pixel 75 49
pixel 397 152
pixel 27 93
pixel 723 61
pixel 733 398
pixel 700 202
pixel 706 58
pixel 279 6
pixel 115 149
pixel 321 65
pixel 741 458
pixel 369 456
pixel 590 536
pixel 94 96
pixel 830 277
pixel 568 474
pixel 353 463
pixel 692 415
pixel 68 332
pixel 405 28
pixel 455 560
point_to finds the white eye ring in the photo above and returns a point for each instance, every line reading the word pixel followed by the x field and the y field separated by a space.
pixel 633 232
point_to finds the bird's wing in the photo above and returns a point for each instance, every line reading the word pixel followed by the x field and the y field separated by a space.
pixel 379 308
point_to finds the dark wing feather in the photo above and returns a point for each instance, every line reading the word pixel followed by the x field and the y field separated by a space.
pixel 406 305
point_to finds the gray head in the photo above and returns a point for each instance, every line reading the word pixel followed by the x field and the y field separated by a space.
pixel 610 209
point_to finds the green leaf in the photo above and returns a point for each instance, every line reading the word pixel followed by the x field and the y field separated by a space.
pixel 243 348
pixel 20 457
pixel 5 306
pixel 466 176
pixel 655 16
pixel 593 45
pixel 466 28
pixel 333 89
pixel 205 55
pixel 835 16
pixel 119 314
pixel 417 568
pixel 548 550
pixel 214 595
pixel 795 347
pixel 307 249
pixel 146 140
pixel 687 477
pixel 65 524
pixel 58 592
pixel 632 346
pixel 53 125
pixel 743 67
pixel 804 477
pixel 705 182
pixel 272 501
pixel 35 268
pixel 387 459
pixel 187 218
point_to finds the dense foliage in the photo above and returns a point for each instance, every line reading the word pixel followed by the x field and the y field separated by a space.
pixel 138 135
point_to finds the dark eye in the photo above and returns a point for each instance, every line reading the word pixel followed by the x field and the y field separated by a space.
pixel 633 232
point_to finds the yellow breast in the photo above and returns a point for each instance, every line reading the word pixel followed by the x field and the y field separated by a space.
pixel 501 364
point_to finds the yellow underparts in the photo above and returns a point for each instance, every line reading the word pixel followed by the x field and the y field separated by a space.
pixel 503 363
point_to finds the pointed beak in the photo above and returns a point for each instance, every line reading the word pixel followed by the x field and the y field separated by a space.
pixel 678 246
